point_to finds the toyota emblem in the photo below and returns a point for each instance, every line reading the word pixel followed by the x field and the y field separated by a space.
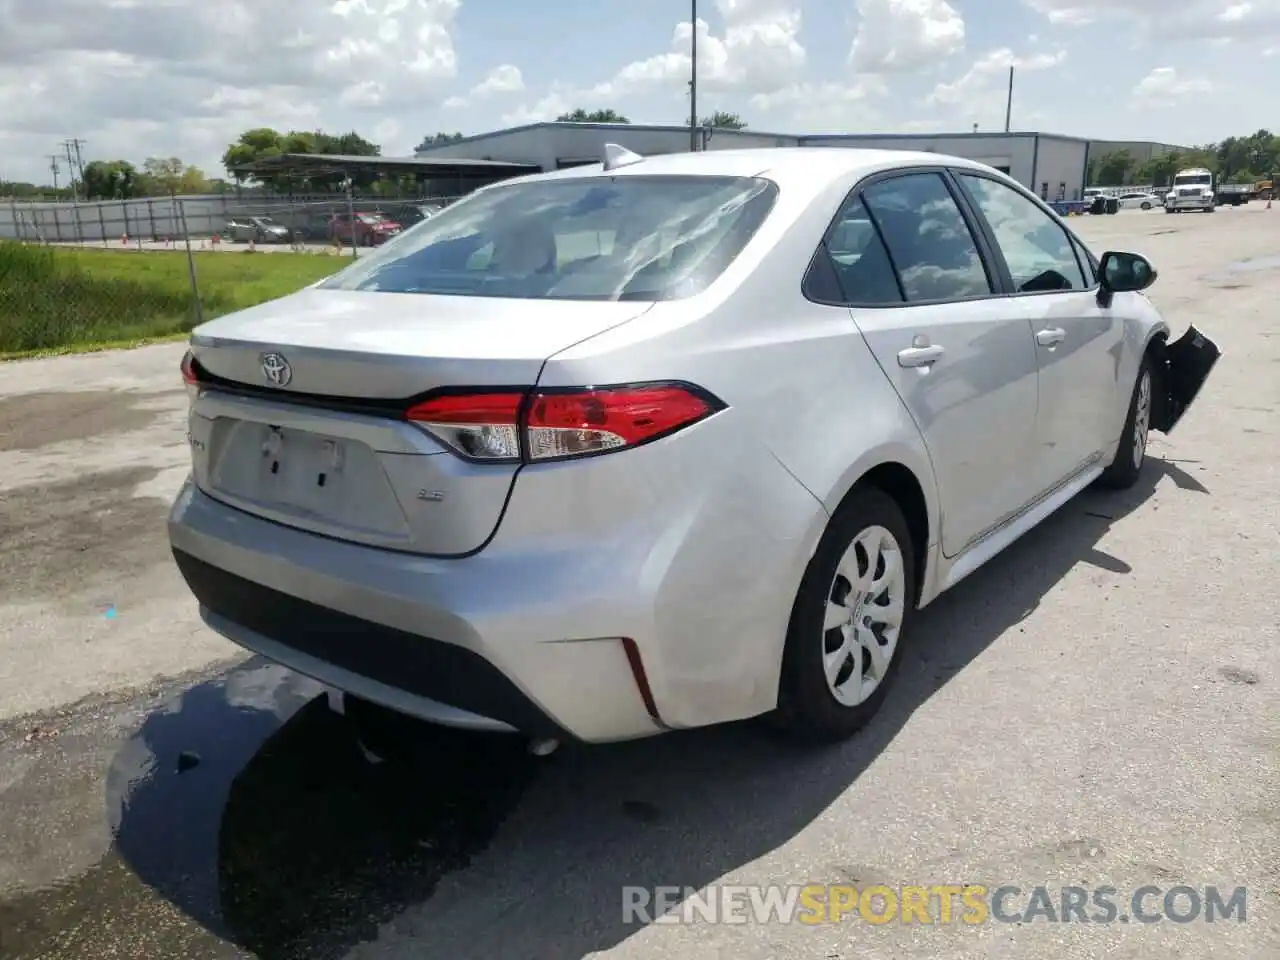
pixel 276 369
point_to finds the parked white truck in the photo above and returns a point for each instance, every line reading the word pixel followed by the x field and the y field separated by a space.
pixel 1192 189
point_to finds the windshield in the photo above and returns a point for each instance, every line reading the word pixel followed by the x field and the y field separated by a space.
pixel 1193 179
pixel 370 217
pixel 582 238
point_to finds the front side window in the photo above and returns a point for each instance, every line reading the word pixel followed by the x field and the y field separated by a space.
pixel 583 238
pixel 1088 262
pixel 935 254
pixel 1036 249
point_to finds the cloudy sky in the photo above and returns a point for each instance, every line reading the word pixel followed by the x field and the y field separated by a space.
pixel 135 78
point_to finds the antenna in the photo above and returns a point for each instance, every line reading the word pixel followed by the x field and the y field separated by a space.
pixel 616 156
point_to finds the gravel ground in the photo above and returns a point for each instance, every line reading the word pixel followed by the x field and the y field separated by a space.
pixel 1096 707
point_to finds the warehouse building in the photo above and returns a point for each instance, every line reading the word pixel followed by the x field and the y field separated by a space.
pixel 1051 165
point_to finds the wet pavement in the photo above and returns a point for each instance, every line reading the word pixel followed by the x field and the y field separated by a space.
pixel 237 817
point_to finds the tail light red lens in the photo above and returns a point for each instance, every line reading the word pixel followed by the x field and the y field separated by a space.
pixel 189 375
pixel 544 425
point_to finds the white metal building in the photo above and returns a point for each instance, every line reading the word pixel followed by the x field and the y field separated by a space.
pixel 1051 165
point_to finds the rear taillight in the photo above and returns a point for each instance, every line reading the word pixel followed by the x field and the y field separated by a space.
pixel 555 424
pixel 189 374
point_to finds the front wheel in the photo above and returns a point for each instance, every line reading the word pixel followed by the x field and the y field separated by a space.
pixel 1146 206
pixel 856 599
pixel 1132 452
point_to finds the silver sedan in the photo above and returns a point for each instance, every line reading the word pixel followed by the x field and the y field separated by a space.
pixel 663 442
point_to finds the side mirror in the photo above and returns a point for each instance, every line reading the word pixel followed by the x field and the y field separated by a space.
pixel 1125 272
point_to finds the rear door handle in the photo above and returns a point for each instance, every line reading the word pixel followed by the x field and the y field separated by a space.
pixel 1051 336
pixel 919 356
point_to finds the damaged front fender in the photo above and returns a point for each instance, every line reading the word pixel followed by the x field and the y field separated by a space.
pixel 1181 369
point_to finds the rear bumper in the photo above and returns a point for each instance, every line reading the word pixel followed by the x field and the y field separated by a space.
pixel 652 612
pixel 399 669
pixel 429 638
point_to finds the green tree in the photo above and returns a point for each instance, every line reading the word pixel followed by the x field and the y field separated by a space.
pixel 592 116
pixel 724 121
pixel 1113 169
pixel 1159 170
pixel 436 139
pixel 163 174
pixel 250 147
pixel 262 143
pixel 110 180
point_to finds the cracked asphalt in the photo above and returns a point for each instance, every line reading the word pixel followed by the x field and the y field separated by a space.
pixel 1096 707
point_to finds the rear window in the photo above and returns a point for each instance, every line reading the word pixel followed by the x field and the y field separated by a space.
pixel 589 238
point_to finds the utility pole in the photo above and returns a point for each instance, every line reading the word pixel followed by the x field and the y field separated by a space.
pixel 53 165
pixel 1008 107
pixel 693 76
pixel 77 143
pixel 71 169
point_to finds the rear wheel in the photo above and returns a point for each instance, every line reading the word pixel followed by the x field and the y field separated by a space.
pixel 1146 205
pixel 856 599
pixel 1132 452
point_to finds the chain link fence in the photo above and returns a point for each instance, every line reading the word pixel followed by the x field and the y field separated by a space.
pixel 75 275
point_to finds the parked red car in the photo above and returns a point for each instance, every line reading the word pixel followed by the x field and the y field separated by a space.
pixel 363 229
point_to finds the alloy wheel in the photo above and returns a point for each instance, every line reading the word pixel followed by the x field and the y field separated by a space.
pixel 1141 418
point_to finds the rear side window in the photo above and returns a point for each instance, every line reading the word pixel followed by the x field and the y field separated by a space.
pixel 582 238
pixel 1036 248
pixel 855 267
pixel 936 256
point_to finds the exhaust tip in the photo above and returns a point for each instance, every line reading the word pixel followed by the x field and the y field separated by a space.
pixel 544 747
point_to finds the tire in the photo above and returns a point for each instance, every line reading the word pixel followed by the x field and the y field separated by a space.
pixel 1145 205
pixel 1131 454
pixel 809 707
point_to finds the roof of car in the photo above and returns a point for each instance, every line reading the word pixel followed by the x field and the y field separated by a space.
pixel 776 163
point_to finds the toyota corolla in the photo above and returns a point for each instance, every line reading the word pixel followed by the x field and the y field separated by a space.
pixel 663 442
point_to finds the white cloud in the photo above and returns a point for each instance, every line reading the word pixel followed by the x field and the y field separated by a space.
pixel 826 107
pixel 1163 87
pixel 185 77
pixel 502 80
pixel 553 104
pixel 1190 20
pixel 759 51
pixel 896 36
pixel 985 84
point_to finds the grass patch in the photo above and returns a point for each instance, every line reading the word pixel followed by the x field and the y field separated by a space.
pixel 55 300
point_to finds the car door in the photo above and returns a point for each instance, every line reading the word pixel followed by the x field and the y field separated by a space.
pixel 1079 344
pixel 914 275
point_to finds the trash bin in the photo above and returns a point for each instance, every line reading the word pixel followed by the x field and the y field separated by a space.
pixel 1113 204
pixel 1099 205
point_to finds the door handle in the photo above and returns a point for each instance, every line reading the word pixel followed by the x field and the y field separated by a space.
pixel 919 356
pixel 1051 337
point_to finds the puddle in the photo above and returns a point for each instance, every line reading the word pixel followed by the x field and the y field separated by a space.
pixel 246 818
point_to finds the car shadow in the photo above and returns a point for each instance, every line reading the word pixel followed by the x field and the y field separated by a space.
pixel 248 804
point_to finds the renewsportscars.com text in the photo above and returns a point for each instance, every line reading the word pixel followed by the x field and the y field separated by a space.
pixel 969 904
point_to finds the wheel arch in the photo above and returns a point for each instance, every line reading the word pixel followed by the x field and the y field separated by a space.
pixel 912 489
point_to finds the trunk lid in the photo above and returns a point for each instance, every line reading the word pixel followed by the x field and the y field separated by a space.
pixel 301 423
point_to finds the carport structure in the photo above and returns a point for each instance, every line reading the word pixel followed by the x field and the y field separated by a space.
pixel 441 178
